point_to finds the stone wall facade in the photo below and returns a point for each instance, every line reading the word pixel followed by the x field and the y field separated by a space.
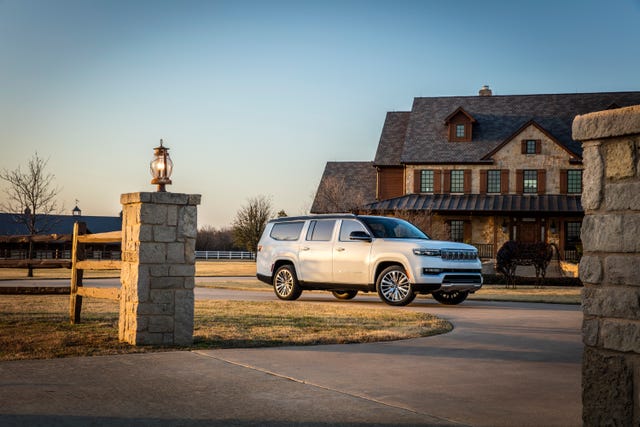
pixel 552 158
pixel 158 268
pixel 610 267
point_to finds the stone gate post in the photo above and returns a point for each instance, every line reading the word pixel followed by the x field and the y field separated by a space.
pixel 610 267
pixel 158 268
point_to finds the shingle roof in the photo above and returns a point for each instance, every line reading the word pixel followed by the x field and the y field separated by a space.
pixel 497 117
pixel 478 203
pixel 61 224
pixel 392 139
pixel 357 181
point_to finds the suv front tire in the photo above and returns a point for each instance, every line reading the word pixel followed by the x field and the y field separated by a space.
pixel 450 297
pixel 394 286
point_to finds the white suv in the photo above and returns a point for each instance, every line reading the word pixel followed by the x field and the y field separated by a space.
pixel 346 253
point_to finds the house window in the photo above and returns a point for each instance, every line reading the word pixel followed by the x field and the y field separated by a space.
pixel 426 181
pixel 460 131
pixel 457 181
pixel 572 234
pixel 530 147
pixel 530 181
pixel 493 181
pixel 574 181
pixel 456 229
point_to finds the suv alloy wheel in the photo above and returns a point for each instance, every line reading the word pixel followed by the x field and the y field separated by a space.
pixel 285 283
pixel 394 287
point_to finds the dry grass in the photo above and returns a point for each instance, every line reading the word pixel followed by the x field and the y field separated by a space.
pixel 36 327
pixel 547 294
pixel 203 269
pixel 225 268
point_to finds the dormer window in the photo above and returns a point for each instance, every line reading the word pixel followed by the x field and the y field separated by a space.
pixel 460 124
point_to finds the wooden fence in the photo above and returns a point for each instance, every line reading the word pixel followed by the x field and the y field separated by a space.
pixel 79 263
pixel 207 255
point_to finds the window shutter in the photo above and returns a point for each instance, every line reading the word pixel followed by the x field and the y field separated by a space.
pixel 437 181
pixel 538 146
pixel 466 185
pixel 447 181
pixel 504 181
pixel 564 181
pixel 542 181
pixel 519 181
pixel 417 174
pixel 467 232
pixel 523 147
pixel 483 182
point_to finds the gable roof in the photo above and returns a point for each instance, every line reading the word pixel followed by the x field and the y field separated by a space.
pixel 392 139
pixel 60 224
pixel 357 182
pixel 459 110
pixel 497 118
pixel 516 133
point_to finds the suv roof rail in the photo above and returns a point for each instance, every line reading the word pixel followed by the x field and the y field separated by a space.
pixel 314 216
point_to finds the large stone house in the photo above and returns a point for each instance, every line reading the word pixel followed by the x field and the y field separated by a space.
pixel 484 169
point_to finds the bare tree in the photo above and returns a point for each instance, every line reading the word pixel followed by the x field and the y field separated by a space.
pixel 334 195
pixel 215 239
pixel 31 198
pixel 250 222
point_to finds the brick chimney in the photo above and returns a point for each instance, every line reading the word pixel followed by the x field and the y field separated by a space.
pixel 485 91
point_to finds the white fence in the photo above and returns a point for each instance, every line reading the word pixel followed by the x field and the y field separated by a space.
pixel 225 255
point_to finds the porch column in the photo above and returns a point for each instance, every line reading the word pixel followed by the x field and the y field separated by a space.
pixel 610 267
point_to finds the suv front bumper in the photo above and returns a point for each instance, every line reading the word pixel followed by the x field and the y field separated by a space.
pixel 451 280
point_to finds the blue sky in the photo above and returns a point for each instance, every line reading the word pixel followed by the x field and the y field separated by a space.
pixel 254 97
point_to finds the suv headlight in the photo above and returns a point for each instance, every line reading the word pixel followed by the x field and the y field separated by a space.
pixel 426 252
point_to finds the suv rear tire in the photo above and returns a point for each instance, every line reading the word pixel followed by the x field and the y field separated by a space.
pixel 285 283
pixel 394 287
pixel 344 295
pixel 451 297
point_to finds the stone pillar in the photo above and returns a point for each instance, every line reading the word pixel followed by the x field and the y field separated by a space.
pixel 610 267
pixel 158 268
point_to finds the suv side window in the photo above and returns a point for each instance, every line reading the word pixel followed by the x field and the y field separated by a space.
pixel 321 230
pixel 348 226
pixel 289 231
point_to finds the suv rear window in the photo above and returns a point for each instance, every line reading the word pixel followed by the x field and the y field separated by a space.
pixel 289 231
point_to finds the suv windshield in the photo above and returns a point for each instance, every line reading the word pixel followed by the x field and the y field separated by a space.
pixel 392 228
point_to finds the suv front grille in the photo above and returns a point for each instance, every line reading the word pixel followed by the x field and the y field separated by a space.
pixel 458 254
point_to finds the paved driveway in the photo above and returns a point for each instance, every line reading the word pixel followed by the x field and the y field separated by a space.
pixel 505 364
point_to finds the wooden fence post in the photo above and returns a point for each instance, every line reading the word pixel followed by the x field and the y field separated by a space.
pixel 77 254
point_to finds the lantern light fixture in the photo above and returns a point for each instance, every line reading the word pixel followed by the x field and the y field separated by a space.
pixel 161 167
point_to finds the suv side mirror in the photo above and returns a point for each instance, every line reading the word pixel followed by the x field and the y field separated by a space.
pixel 360 235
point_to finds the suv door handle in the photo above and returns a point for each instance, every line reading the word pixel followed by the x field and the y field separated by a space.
pixel 340 249
pixel 304 248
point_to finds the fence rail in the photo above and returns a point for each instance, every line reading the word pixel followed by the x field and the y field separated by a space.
pixel 485 250
pixel 206 255
pixel 79 263
pixel 572 255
